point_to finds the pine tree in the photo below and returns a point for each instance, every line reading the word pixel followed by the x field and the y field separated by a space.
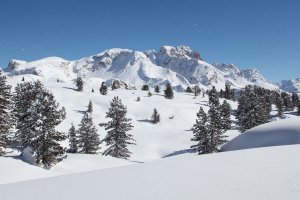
pixel 115 85
pixel 23 79
pixel 90 107
pixel 45 116
pixel 145 87
pixel 225 115
pixel 149 94
pixel 103 89
pixel 169 94
pixel 88 139
pixel 287 101
pixel 157 90
pixel 201 133
pixel 298 107
pixel 138 99
pixel 228 93
pixel 197 90
pixel 214 97
pixel 93 90
pixel 117 137
pixel 155 117
pixel 73 146
pixel 189 90
pixel 25 95
pixel 7 119
pixel 79 84
pixel 279 105
pixel 295 100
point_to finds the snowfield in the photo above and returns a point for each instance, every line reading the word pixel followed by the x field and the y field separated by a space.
pixel 260 174
pixel 162 165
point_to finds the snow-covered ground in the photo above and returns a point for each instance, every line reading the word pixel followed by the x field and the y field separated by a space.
pixel 261 173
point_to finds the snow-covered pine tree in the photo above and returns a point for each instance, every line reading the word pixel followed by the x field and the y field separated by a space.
pixel 295 100
pixel 279 105
pixel 157 90
pixel 214 97
pixel 79 84
pixel 228 93
pixel 117 137
pixel 155 117
pixel 88 139
pixel 201 133
pixel 225 115
pixel 90 107
pixel 45 116
pixel 25 94
pixel 298 107
pixel 287 101
pixel 169 94
pixel 7 120
pixel 73 146
pixel 103 89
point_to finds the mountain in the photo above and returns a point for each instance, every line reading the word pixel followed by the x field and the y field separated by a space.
pixel 292 85
pixel 180 66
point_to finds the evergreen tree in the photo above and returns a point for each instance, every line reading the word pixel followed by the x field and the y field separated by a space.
pixel 155 117
pixel 44 116
pixel 157 90
pixel 90 107
pixel 115 85
pixel 79 84
pixel 197 90
pixel 201 133
pixel 88 139
pixel 138 99
pixel 221 95
pixel 103 89
pixel 149 94
pixel 225 115
pixel 295 100
pixel 189 90
pixel 228 93
pixel 117 137
pixel 23 79
pixel 92 90
pixel 7 119
pixel 145 87
pixel 214 97
pixel 169 94
pixel 287 101
pixel 279 105
pixel 73 146
pixel 298 107
pixel 25 95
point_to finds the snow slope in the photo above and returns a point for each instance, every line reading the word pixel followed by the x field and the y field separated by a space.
pixel 179 66
pixel 283 132
pixel 260 174
pixel 292 85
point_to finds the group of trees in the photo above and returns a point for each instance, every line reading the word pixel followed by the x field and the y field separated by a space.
pixel 210 127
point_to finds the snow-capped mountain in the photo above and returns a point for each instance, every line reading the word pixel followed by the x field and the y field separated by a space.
pixel 180 66
pixel 292 85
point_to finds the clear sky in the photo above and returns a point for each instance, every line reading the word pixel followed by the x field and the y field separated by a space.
pixel 249 33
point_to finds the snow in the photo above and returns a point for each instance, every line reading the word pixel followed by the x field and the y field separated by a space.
pixel 291 86
pixel 265 173
pixel 283 132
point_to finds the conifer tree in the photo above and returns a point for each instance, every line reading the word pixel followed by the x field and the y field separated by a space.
pixel 7 119
pixel 287 101
pixel 138 99
pixel 103 89
pixel 197 90
pixel 157 90
pixel 225 115
pixel 73 146
pixel 23 79
pixel 298 107
pixel 45 116
pixel 88 139
pixel 155 117
pixel 169 94
pixel 214 97
pixel 92 90
pixel 90 107
pixel 189 90
pixel 145 87
pixel 201 133
pixel 149 94
pixel 25 95
pixel 114 85
pixel 117 137
pixel 279 105
pixel 228 93
pixel 295 100
pixel 79 84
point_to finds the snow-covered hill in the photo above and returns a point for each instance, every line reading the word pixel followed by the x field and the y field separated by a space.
pixel 179 66
pixel 292 85
pixel 260 174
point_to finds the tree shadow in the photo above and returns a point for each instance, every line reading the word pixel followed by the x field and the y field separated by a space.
pixel 145 120
pixel 69 88
pixel 176 153
pixel 80 111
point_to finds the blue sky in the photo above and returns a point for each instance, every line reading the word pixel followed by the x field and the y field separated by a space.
pixel 249 33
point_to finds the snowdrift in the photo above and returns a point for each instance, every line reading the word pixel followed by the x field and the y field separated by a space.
pixel 283 132
pixel 274 175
